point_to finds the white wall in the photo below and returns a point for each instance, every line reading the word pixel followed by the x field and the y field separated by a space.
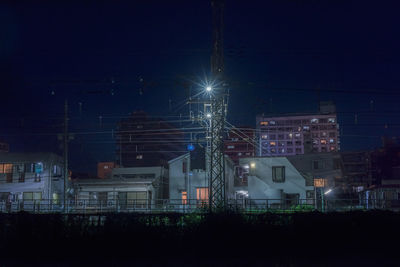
pixel 260 184
pixel 189 181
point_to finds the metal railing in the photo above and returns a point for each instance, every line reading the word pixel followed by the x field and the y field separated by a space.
pixel 193 205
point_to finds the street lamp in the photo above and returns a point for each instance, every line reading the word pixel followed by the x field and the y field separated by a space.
pixel 208 88
pixel 208 115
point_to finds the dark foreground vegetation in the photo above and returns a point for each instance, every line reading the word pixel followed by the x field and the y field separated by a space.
pixel 306 239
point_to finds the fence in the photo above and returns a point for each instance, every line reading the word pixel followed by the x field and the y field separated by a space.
pixel 193 205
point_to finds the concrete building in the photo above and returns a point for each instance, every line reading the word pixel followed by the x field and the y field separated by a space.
pixel 31 181
pixel 274 182
pixel 325 166
pixel 128 189
pixel 240 144
pixel 145 141
pixel 293 134
pixel 188 187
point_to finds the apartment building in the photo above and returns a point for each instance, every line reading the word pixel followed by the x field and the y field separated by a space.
pixel 292 134
pixel 31 181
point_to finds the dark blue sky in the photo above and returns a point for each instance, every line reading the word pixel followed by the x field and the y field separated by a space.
pixel 276 52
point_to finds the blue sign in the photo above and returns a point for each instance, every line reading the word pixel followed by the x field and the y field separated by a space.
pixel 38 167
pixel 190 147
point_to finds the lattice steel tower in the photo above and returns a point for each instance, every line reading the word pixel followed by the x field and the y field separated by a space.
pixel 217 196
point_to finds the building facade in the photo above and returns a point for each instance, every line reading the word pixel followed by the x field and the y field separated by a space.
pixel 145 141
pixel 128 189
pixel 104 169
pixel 240 144
pixel 274 182
pixel 188 187
pixel 31 181
pixel 294 134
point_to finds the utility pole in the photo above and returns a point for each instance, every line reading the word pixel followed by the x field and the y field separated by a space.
pixel 65 152
pixel 217 196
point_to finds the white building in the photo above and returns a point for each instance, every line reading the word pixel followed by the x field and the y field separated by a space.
pixel 128 189
pixel 275 182
pixel 31 181
pixel 189 188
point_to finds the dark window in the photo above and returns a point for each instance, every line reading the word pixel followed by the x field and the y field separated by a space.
pixel 30 167
pixel 317 165
pixel 184 166
pixel 278 174
pixel 21 178
pixel 336 164
pixel 9 177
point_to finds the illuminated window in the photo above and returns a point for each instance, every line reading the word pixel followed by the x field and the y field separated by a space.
pixel 32 195
pixel 139 156
pixel 231 147
pixel 332 148
pixel 264 123
pixel 239 154
pixel 278 174
pixel 202 194
pixel 272 122
pixel 184 197
pixel 314 120
pixel 290 135
pixel 306 128
pixel 331 120
pixel 272 143
pixel 264 136
pixel 331 141
pixel 323 141
pixel 6 168
pixel 323 134
pixel 297 135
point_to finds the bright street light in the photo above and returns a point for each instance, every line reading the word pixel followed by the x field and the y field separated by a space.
pixel 208 88
pixel 252 165
pixel 208 115
pixel 327 192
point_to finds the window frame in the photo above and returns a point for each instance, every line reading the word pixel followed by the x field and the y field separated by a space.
pixel 274 174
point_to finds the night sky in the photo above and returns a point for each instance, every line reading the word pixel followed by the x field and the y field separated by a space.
pixel 115 57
